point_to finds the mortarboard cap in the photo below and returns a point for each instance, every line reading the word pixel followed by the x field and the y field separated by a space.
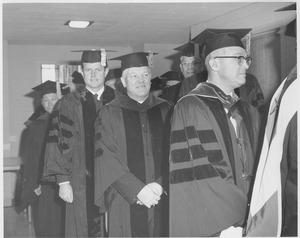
pixel 219 38
pixel 187 49
pixel 49 87
pixel 290 7
pixel 94 55
pixel 291 28
pixel 171 75
pixel 77 78
pixel 137 59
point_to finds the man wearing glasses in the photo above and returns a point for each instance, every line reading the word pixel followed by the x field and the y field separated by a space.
pixel 214 138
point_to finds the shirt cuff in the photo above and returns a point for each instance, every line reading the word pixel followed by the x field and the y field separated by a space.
pixel 64 182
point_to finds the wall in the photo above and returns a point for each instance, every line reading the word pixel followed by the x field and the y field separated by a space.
pixel 167 59
pixel 288 54
pixel 6 124
pixel 273 56
pixel 266 63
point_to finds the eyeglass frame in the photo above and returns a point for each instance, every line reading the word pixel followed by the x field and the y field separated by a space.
pixel 240 62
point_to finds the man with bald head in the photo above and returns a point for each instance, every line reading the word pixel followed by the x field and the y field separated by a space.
pixel 213 145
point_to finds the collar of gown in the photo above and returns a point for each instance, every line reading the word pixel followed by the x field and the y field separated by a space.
pixel 126 102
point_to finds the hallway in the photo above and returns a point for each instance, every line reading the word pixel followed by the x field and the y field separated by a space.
pixel 16 223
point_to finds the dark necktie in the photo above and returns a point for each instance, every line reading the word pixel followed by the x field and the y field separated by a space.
pixel 95 96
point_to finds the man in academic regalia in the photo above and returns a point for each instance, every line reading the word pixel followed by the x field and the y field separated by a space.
pixel 213 144
pixel 48 209
pixel 273 209
pixel 132 156
pixel 69 158
pixel 192 68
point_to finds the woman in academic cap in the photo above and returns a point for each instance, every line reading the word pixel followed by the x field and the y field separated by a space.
pixel 48 209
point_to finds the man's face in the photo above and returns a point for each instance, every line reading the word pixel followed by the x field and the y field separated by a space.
pixel 190 66
pixel 94 75
pixel 48 101
pixel 232 74
pixel 137 81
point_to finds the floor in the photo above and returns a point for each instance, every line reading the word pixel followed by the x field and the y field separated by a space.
pixel 16 223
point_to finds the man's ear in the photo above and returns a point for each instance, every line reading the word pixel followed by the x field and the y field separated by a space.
pixel 123 82
pixel 106 71
pixel 42 103
pixel 213 64
pixel 181 67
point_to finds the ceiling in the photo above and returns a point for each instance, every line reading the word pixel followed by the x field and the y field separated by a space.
pixel 129 24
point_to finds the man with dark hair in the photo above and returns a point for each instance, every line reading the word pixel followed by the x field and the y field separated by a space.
pixel 213 147
pixel 192 68
pixel 132 156
pixel 69 157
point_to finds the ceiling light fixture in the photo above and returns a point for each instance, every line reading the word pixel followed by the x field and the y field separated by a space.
pixel 79 24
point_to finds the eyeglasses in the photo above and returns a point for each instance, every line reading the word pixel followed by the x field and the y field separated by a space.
pixel 241 59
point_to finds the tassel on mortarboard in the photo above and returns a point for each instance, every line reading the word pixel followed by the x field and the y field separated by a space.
pixel 103 57
pixel 94 55
pixel 150 59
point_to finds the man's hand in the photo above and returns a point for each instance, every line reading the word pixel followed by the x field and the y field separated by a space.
pixel 66 192
pixel 158 190
pixel 38 190
pixel 148 196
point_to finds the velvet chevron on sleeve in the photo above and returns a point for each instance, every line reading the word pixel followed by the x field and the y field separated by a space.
pixel 209 184
pixel 60 143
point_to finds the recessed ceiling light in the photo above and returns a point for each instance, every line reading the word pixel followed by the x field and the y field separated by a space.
pixel 79 24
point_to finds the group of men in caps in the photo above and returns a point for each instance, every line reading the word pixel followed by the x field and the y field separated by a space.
pixel 156 170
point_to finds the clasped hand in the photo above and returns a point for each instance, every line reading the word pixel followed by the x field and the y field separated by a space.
pixel 150 194
pixel 66 192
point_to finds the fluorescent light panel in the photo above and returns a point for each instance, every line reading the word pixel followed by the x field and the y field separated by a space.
pixel 79 24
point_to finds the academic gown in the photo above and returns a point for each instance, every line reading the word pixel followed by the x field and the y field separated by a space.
pixel 131 152
pixel 211 168
pixel 251 91
pixel 48 208
pixel 171 93
pixel 188 84
pixel 274 204
pixel 65 156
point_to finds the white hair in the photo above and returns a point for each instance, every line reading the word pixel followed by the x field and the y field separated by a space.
pixel 126 71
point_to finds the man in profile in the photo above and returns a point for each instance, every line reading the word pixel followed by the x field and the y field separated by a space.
pixel 213 147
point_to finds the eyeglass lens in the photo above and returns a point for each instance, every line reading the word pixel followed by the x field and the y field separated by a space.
pixel 242 59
